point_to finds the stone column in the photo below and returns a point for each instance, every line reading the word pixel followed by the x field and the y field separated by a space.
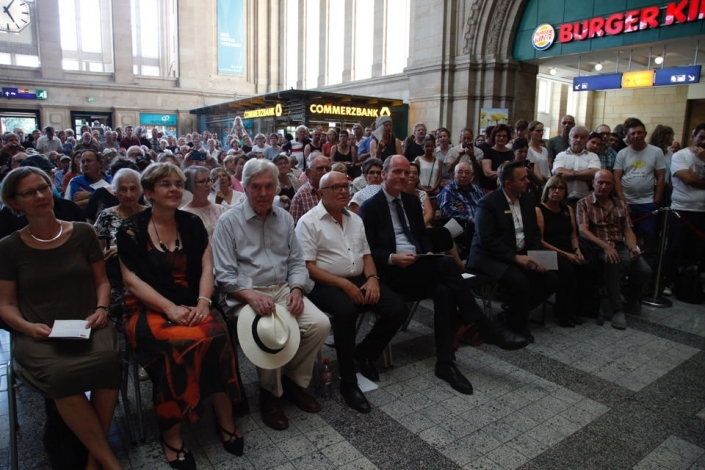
pixel 122 43
pixel 49 37
pixel 349 44
pixel 379 50
pixel 323 45
pixel 303 55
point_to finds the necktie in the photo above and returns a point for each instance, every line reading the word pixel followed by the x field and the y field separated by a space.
pixel 405 227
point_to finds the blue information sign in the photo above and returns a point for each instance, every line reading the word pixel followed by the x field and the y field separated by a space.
pixel 148 119
pixel 677 76
pixel 231 37
pixel 597 82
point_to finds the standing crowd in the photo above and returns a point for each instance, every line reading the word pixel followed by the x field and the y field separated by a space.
pixel 272 242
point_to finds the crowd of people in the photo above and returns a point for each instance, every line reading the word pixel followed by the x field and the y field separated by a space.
pixel 287 238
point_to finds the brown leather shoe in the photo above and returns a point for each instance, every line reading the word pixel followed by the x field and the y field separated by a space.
pixel 272 413
pixel 298 396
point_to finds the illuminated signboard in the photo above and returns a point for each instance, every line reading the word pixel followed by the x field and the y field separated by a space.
pixel 24 94
pixel 638 79
pixel 637 19
pixel 263 112
pixel 336 110
pixel 597 82
pixel 677 76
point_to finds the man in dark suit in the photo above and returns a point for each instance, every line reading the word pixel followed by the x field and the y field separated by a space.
pixel 400 247
pixel 505 228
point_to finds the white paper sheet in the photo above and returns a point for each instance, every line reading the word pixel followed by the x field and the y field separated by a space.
pixel 454 228
pixel 546 258
pixel 365 384
pixel 70 329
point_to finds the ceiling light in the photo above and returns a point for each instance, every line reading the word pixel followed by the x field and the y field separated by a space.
pixel 658 59
pixel 598 66
pixel 552 71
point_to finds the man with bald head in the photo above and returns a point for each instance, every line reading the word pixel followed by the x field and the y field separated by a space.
pixel 561 142
pixel 604 221
pixel 398 242
pixel 577 165
pixel 339 261
pixel 307 196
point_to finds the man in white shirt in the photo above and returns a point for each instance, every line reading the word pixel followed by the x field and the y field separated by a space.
pixel 577 165
pixel 338 259
pixel 48 142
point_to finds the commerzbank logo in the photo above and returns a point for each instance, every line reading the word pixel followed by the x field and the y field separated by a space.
pixel 264 112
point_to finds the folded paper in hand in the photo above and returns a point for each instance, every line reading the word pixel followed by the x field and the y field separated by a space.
pixel 70 329
pixel 547 259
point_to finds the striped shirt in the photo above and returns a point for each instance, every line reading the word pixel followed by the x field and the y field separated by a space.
pixel 605 222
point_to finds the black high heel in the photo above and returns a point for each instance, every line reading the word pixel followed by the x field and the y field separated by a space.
pixel 234 445
pixel 184 460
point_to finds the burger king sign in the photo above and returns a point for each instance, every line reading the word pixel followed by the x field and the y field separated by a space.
pixel 543 37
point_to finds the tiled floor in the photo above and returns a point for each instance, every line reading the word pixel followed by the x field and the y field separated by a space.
pixel 589 397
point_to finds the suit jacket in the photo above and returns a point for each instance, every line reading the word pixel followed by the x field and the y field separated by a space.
pixel 494 243
pixel 380 230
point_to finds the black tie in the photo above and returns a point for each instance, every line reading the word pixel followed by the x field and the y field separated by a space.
pixel 405 228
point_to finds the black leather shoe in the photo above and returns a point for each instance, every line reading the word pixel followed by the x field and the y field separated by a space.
pixel 492 332
pixel 354 397
pixel 454 377
pixel 527 334
pixel 368 369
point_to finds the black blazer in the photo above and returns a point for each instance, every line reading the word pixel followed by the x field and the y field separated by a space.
pixel 494 243
pixel 380 231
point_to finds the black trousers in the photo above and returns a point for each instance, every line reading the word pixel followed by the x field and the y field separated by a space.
pixel 525 290
pixel 391 312
pixel 440 278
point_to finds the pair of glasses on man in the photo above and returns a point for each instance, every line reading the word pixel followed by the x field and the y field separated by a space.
pixel 338 188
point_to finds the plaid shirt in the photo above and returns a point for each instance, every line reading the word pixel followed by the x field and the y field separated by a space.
pixel 607 224
pixel 458 203
pixel 305 199
pixel 607 159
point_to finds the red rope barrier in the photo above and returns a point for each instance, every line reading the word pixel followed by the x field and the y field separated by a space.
pixel 690 226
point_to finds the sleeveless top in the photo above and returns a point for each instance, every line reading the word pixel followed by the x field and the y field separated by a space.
pixel 557 228
pixel 342 157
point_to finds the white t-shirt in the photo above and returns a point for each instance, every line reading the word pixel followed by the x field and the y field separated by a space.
pixel 686 197
pixel 639 167
pixel 577 162
pixel 540 160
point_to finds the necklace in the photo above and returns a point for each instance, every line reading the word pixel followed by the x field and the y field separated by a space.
pixel 61 231
pixel 161 243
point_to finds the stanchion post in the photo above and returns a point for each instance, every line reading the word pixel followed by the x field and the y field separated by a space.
pixel 656 300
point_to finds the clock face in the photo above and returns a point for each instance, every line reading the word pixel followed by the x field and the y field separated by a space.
pixel 14 16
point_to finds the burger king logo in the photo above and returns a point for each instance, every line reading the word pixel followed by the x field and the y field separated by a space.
pixel 543 37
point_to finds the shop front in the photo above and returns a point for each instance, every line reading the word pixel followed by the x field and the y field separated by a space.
pixel 166 123
pixel 283 111
pixel 607 60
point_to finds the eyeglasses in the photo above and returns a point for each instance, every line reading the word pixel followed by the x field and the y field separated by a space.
pixel 556 188
pixel 43 189
pixel 338 188
pixel 169 184
pixel 202 181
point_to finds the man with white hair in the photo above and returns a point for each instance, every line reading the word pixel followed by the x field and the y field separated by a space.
pixel 577 165
pixel 306 198
pixel 258 262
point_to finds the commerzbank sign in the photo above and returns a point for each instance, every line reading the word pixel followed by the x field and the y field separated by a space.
pixel 335 110
pixel 615 24
pixel 264 112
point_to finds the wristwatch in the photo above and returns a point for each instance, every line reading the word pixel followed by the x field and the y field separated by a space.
pixel 374 276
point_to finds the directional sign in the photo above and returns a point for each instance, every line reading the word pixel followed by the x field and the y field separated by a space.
pixel 677 76
pixel 9 92
pixel 42 94
pixel 638 79
pixel 24 94
pixel 597 82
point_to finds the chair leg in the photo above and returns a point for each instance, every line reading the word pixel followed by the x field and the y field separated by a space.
pixel 12 411
pixel 124 400
pixel 412 312
pixel 138 397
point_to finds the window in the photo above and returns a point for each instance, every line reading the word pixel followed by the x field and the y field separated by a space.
pixel 397 35
pixel 543 104
pixel 86 35
pixel 336 41
pixel 313 33
pixel 155 38
pixel 363 38
pixel 21 48
pixel 292 44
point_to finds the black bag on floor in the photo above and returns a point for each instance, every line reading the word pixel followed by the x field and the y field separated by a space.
pixel 688 287
pixel 64 449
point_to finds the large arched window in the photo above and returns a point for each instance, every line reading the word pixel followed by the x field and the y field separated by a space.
pixel 86 35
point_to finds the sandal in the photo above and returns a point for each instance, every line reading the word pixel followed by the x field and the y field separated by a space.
pixel 234 445
pixel 184 460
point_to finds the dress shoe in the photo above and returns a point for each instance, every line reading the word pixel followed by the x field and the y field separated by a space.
pixel 298 396
pixel 234 445
pixel 576 320
pixel 183 461
pixel 354 397
pixel 492 332
pixel 618 321
pixel 368 369
pixel 451 374
pixel 467 334
pixel 271 410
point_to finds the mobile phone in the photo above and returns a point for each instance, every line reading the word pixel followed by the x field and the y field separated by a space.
pixel 198 156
